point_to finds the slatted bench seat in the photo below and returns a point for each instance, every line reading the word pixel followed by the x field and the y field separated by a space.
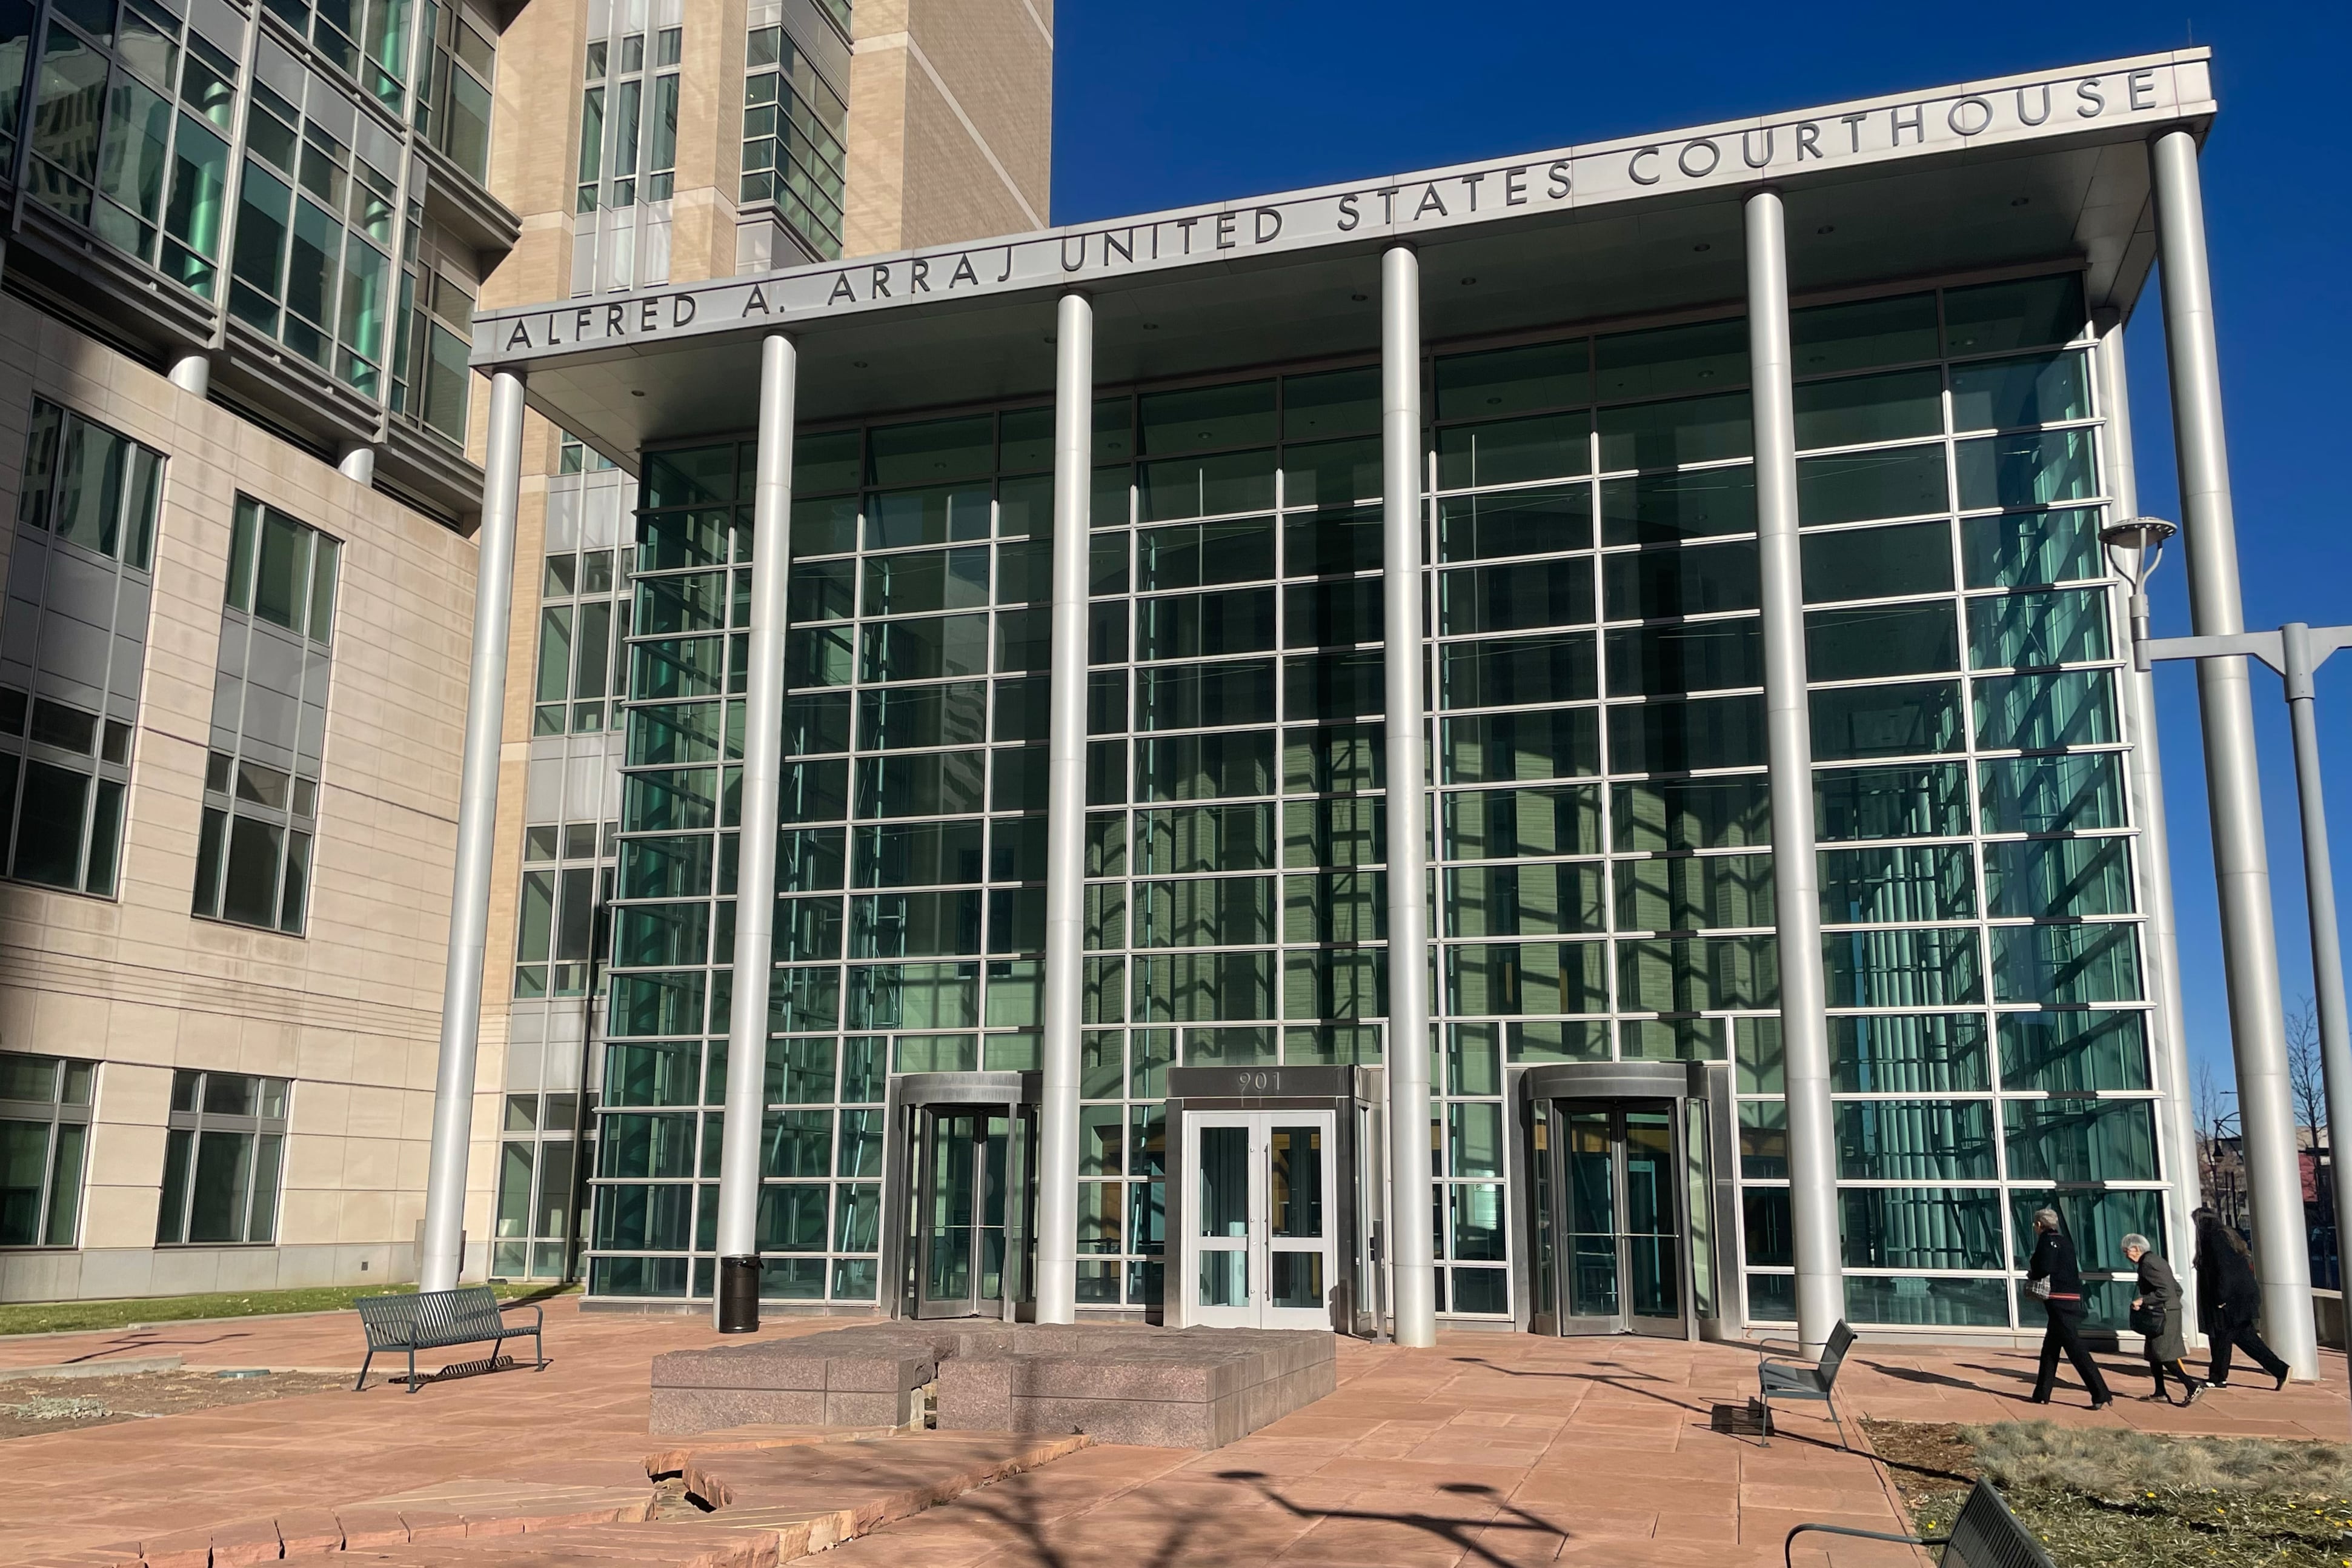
pixel 434 1319
pixel 1986 1535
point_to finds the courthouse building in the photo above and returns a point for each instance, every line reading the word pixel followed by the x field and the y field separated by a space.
pixel 240 446
pixel 1605 656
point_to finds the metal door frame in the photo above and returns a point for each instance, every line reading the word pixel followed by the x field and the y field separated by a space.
pixel 1354 1096
pixel 1624 1320
pixel 1536 1094
pixel 1259 1245
pixel 906 1099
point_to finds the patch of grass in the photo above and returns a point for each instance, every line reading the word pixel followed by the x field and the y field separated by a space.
pixel 2103 1498
pixel 68 1317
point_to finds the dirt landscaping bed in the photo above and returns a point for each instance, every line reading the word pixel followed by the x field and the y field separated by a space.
pixel 2103 1498
pixel 30 1406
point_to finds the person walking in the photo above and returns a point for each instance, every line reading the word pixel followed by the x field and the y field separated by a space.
pixel 2228 1300
pixel 2157 1317
pixel 2053 1276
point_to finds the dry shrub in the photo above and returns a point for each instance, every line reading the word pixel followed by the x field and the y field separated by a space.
pixel 2103 1461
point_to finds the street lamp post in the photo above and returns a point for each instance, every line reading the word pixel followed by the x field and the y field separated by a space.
pixel 2134 545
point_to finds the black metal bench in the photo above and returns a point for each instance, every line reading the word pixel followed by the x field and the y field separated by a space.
pixel 1786 1380
pixel 1986 1535
pixel 434 1320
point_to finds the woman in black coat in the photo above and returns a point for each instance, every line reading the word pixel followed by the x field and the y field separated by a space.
pixel 2053 1262
pixel 2229 1299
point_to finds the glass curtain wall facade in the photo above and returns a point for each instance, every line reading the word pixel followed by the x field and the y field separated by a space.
pixel 1599 806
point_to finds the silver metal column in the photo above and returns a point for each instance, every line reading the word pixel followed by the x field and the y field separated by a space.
pixel 755 876
pixel 2170 1048
pixel 1065 820
pixel 192 373
pixel 2298 661
pixel 1788 722
pixel 478 811
pixel 2233 790
pixel 1408 768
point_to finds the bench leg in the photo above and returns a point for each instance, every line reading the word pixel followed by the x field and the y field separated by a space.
pixel 1765 1400
pixel 412 1369
pixel 1843 1440
pixel 539 1349
pixel 365 1362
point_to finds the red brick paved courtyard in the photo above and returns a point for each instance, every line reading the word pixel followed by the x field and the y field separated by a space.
pixel 1491 1448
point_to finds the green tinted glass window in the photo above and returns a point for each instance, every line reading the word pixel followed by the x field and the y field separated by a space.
pixel 2053 794
pixel 1494 825
pixel 1545 900
pixel 1899 406
pixel 2002 394
pixel 2059 879
pixel 1877 563
pixel 1914 1140
pixel 1909 1053
pixel 2029 313
pixel 1517 522
pixel 1933 966
pixel 2066 964
pixel 1886 720
pixel 1659 509
pixel 1661 816
pixel 2022 550
pixel 1865 333
pixel 1856 487
pixel 1201 419
pixel 2068 626
pixel 1882 641
pixel 2081 1140
pixel 1527 745
pixel 2074 1052
pixel 1515 381
pixel 1900 883
pixel 1698 892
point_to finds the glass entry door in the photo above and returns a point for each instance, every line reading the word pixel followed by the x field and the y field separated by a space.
pixel 1618 1212
pixel 964 1176
pixel 1259 1238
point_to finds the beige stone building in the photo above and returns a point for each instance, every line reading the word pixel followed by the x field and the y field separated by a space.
pixel 239 444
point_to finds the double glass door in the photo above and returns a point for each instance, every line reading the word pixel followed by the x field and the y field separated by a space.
pixel 1259 1240
pixel 967 1204
pixel 1616 1214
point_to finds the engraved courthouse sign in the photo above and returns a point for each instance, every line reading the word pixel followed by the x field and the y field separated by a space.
pixel 2155 90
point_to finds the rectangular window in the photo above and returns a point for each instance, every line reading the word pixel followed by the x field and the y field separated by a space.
pixel 794 126
pixel 71 662
pixel 222 1159
pixel 45 1114
pixel 263 774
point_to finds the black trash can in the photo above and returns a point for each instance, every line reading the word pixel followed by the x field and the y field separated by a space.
pixel 738 1295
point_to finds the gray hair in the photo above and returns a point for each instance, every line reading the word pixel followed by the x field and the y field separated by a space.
pixel 2045 1219
pixel 2136 1242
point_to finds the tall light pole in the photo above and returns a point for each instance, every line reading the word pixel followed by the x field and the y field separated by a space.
pixel 2134 545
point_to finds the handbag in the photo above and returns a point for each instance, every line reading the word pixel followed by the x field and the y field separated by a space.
pixel 2038 1289
pixel 2147 1321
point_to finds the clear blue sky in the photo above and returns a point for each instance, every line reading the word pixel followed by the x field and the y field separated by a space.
pixel 1160 103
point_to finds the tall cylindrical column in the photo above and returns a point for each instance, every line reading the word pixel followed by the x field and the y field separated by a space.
pixel 1409 1245
pixel 1789 734
pixel 2169 1043
pixel 478 811
pixel 2234 789
pixel 2326 944
pixel 755 862
pixel 1066 818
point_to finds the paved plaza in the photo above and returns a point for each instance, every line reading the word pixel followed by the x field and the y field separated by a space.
pixel 1490 1449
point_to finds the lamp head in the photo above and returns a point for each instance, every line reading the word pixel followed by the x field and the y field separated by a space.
pixel 2134 545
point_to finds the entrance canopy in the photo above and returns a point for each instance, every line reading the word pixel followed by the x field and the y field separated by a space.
pixel 2049 165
